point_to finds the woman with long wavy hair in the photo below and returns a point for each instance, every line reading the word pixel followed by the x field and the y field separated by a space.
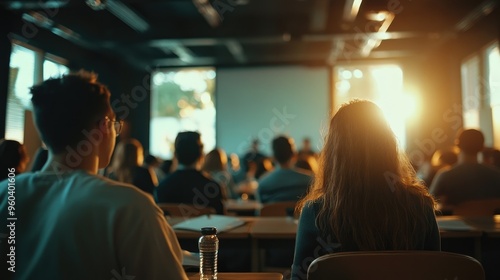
pixel 126 166
pixel 365 196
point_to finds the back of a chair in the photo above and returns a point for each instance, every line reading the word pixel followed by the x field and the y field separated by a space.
pixel 278 209
pixel 483 207
pixel 184 210
pixel 395 265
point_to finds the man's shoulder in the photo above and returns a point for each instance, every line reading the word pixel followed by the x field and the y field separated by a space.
pixel 304 173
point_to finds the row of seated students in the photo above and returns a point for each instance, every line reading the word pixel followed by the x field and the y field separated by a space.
pixel 78 225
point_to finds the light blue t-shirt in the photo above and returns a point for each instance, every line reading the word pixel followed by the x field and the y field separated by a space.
pixel 283 184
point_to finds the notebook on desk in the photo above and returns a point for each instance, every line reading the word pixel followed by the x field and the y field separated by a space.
pixel 221 222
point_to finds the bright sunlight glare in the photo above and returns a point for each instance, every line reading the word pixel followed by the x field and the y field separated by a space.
pixel 383 84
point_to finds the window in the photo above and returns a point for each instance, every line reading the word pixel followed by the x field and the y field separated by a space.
pixel 470 92
pixel 22 77
pixel 52 69
pixel 181 100
pixel 25 71
pixel 493 88
pixel 381 84
pixel 481 93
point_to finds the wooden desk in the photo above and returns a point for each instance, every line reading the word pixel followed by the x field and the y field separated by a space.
pixel 274 228
pixel 460 227
pixel 450 227
pixel 244 207
pixel 241 276
pixel 259 229
pixel 490 225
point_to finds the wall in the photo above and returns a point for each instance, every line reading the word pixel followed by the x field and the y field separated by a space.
pixel 263 102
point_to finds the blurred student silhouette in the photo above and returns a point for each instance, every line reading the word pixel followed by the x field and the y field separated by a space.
pixel 254 154
pixel 306 150
pixel 187 184
pixel 468 179
pixel 491 157
pixel 365 195
pixel 285 182
pixel 152 163
pixel 75 224
pixel 441 159
pixel 13 156
pixel 127 167
pixel 215 164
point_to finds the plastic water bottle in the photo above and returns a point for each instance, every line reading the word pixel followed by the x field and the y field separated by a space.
pixel 209 247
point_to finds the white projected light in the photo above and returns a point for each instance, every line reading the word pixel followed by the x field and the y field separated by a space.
pixel 182 100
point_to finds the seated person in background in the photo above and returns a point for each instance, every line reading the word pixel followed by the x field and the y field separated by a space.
pixel 365 196
pixel 468 179
pixel 75 224
pixel 152 163
pixel 12 155
pixel 215 164
pixel 254 154
pixel 441 159
pixel 252 171
pixel 285 183
pixel 126 166
pixel 308 163
pixel 187 184
pixel 306 149
pixel 491 157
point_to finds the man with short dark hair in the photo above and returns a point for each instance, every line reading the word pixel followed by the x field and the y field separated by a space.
pixel 187 184
pixel 285 183
pixel 71 223
pixel 468 179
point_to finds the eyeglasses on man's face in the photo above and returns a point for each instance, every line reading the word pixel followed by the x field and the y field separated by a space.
pixel 118 125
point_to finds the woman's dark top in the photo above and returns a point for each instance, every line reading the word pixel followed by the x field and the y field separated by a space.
pixel 311 243
pixel 141 178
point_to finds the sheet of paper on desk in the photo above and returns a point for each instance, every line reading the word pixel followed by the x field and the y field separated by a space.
pixel 453 225
pixel 221 222
pixel 190 259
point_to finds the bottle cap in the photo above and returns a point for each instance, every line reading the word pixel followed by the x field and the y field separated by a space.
pixel 208 230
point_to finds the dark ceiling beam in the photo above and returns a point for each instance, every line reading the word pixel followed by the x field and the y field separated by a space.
pixel 319 15
pixel 179 50
pixel 390 54
pixel 198 61
pixel 484 9
pixel 264 58
pixel 236 50
pixel 34 4
pixel 127 15
pixel 199 42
